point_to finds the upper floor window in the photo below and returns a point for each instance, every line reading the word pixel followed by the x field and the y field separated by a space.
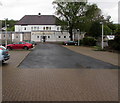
pixel 43 28
pixel 57 28
pixel 37 28
pixel 31 28
pixel 24 28
pixel 34 28
pixel 46 28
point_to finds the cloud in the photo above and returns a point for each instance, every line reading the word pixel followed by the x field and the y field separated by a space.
pixel 0 3
pixel 16 9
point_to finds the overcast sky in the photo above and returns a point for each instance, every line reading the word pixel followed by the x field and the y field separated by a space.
pixel 16 9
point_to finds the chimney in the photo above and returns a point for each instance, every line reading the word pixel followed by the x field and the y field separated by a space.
pixel 39 14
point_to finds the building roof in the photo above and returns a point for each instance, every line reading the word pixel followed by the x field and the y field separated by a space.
pixel 37 20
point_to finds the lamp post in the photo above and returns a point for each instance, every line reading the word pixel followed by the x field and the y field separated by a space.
pixel 78 36
pixel 5 32
pixel 102 33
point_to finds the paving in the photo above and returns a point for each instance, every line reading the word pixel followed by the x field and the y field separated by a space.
pixel 44 84
pixel 56 56
pixel 109 57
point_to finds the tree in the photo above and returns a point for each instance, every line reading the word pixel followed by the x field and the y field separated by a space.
pixel 95 29
pixel 10 24
pixel 107 30
pixel 76 15
pixel 112 27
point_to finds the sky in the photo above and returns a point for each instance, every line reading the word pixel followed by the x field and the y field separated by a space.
pixel 16 9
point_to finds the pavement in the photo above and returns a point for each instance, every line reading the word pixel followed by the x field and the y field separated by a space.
pixel 109 57
pixel 44 84
pixel 55 56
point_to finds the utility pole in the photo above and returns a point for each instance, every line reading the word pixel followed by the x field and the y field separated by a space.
pixel 78 37
pixel 5 32
pixel 102 33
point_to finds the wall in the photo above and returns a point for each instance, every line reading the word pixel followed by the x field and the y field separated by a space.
pixel 29 28
pixel 50 36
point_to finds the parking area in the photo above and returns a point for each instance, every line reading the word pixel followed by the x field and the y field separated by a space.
pixel 44 84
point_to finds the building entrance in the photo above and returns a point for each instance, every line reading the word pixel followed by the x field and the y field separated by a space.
pixel 43 38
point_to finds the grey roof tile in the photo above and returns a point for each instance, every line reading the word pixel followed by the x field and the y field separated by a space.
pixel 37 20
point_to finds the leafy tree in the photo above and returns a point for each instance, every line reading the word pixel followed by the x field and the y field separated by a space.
pixel 76 15
pixel 107 30
pixel 10 24
pixel 112 27
pixel 95 29
pixel 69 13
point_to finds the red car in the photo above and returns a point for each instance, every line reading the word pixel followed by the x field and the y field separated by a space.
pixel 20 45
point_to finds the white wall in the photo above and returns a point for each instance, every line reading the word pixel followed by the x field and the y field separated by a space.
pixel 28 28
pixel 54 36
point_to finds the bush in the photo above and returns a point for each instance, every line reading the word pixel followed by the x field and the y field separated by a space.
pixel 115 44
pixel 89 41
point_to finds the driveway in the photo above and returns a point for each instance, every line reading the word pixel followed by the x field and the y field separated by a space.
pixel 56 84
pixel 57 56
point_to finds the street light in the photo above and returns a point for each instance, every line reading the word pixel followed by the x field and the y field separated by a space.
pixel 102 33
pixel 78 36
pixel 5 32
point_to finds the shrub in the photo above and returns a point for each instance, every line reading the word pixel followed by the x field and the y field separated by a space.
pixel 89 41
pixel 115 44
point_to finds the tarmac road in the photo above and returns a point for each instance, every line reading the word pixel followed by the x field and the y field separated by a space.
pixel 56 56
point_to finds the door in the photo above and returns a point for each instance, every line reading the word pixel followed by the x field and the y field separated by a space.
pixel 43 38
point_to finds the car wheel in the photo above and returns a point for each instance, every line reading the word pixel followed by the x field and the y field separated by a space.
pixel 26 48
pixel 9 48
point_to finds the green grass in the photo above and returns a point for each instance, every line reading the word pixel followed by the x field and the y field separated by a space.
pixel 98 48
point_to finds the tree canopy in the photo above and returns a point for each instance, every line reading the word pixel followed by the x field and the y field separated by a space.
pixel 83 16
pixel 10 24
pixel 77 15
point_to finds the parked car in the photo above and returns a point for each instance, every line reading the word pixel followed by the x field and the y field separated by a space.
pixel 19 45
pixel 70 43
pixel 31 42
pixel 4 55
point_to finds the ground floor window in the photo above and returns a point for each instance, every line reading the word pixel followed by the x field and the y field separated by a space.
pixel 64 36
pixel 59 36
pixel 37 36
pixel 48 36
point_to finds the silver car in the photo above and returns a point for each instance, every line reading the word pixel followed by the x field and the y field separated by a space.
pixel 4 55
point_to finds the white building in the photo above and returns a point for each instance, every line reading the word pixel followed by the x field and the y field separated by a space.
pixel 39 28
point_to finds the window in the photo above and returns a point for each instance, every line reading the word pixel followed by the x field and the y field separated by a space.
pixel 21 43
pixel 64 36
pixel 24 28
pixel 43 28
pixel 37 36
pixel 49 28
pixel 31 28
pixel 48 36
pixel 46 28
pixel 59 36
pixel 57 28
pixel 16 36
pixel 4 36
pixel 34 28
pixel 37 28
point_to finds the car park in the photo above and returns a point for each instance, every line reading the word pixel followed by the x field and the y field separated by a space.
pixel 4 54
pixel 70 43
pixel 20 45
